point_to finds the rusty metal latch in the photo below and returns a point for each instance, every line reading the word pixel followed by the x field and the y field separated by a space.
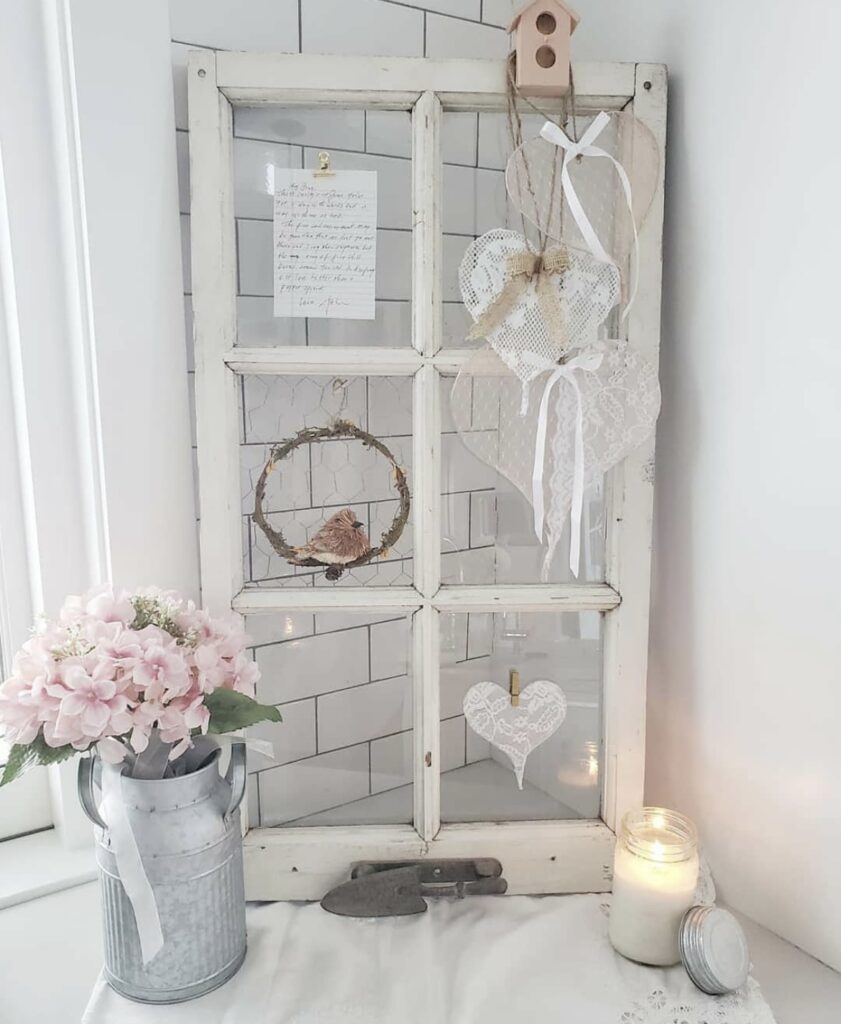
pixel 396 888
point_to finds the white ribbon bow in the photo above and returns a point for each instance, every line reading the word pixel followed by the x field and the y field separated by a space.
pixel 589 360
pixel 584 147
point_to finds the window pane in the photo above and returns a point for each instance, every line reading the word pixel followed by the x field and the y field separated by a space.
pixel 318 480
pixel 487 521
pixel 343 753
pixel 269 138
pixel 475 148
pixel 562 776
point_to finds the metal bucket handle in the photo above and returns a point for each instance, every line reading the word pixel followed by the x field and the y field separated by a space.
pixel 236 776
pixel 84 786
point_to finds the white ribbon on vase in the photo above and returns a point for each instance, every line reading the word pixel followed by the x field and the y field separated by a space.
pixel 129 863
pixel 553 133
pixel 587 361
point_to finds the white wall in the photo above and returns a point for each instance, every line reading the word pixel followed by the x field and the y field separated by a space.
pixel 131 204
pixel 744 684
pixel 745 671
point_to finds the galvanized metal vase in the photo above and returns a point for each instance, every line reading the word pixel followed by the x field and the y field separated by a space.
pixel 187 830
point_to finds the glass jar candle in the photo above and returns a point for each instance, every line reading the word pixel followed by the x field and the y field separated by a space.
pixel 655 873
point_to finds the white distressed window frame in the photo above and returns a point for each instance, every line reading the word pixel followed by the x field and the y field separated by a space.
pixel 545 856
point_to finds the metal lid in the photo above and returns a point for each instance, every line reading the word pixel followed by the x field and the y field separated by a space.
pixel 714 950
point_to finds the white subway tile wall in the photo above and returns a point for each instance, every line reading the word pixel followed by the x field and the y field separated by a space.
pixel 343 681
pixel 562 777
pixel 343 684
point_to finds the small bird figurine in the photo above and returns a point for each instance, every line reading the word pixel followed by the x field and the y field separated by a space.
pixel 339 541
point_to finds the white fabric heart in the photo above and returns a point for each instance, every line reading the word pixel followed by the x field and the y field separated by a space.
pixel 533 179
pixel 587 291
pixel 516 731
pixel 619 403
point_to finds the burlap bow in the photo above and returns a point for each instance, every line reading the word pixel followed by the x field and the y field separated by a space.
pixel 521 269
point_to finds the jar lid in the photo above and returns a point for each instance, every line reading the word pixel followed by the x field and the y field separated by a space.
pixel 714 950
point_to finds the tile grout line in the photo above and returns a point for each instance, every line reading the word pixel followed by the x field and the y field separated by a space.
pixel 443 14
pixel 330 750
pixel 355 686
pixel 357 152
pixel 326 632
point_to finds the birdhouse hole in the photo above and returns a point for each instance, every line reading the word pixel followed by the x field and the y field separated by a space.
pixel 546 25
pixel 545 56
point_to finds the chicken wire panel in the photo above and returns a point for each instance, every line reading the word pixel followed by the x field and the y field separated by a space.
pixel 488 534
pixel 332 499
pixel 343 752
pixel 562 775
pixel 268 139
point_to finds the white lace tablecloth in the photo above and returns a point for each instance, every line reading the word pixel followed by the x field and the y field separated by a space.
pixel 488 960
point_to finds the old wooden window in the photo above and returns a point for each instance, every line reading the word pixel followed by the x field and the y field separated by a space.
pixel 373 760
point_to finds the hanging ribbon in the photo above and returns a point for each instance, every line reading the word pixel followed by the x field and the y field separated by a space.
pixel 522 268
pixel 587 361
pixel 129 864
pixel 584 147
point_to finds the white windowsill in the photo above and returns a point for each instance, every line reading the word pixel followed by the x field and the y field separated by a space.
pixel 37 865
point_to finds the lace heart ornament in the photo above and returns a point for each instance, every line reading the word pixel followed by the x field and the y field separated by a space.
pixel 522 302
pixel 516 731
pixel 534 182
pixel 617 401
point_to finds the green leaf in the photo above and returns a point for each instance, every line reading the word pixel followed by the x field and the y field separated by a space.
pixel 230 710
pixel 22 757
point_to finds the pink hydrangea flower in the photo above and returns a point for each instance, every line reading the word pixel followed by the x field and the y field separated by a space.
pixel 118 665
pixel 161 671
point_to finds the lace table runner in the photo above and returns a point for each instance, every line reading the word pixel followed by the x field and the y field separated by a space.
pixel 481 960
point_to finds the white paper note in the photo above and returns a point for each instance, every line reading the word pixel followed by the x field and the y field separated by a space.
pixel 325 244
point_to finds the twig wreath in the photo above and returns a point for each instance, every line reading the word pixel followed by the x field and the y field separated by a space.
pixel 338 430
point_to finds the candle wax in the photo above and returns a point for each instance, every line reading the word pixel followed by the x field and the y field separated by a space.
pixel 649 900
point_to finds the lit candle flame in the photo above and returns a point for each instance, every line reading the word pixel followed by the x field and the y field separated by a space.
pixel 656 850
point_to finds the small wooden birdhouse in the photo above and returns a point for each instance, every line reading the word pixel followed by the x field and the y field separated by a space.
pixel 543 28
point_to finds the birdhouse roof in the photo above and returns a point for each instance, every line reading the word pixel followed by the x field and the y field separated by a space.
pixel 575 17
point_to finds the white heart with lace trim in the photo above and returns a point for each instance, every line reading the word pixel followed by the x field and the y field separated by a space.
pixel 516 731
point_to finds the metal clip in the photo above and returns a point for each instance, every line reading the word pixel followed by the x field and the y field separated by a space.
pixel 323 166
pixel 514 688
pixel 397 888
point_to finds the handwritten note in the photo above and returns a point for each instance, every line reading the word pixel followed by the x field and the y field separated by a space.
pixel 325 244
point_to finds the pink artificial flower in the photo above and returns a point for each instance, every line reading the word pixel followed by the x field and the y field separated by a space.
pixel 244 674
pixel 19 716
pixel 92 679
pixel 111 750
pixel 192 620
pixel 144 718
pixel 115 641
pixel 211 669
pixel 102 603
pixel 93 699
pixel 229 638
pixel 182 716
pixel 161 671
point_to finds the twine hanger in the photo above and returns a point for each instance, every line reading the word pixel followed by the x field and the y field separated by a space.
pixel 515 131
